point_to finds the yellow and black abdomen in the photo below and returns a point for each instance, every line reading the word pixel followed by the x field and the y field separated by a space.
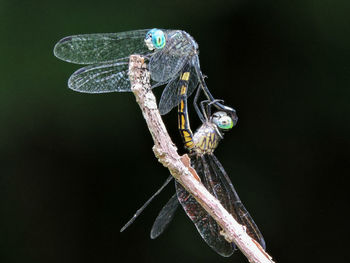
pixel 184 124
pixel 206 138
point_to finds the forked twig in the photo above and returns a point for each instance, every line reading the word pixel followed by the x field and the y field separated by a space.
pixel 180 169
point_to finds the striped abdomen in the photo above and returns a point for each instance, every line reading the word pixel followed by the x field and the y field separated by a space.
pixel 206 138
pixel 184 124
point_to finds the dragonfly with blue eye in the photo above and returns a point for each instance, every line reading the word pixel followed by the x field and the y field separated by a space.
pixel 201 146
pixel 107 57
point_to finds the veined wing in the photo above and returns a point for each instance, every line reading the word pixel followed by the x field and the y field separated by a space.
pixel 205 224
pixel 171 96
pixel 217 182
pixel 167 62
pixel 233 203
pixel 104 47
pixel 101 78
pixel 164 217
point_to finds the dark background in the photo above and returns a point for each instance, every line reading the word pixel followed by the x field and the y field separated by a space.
pixel 75 167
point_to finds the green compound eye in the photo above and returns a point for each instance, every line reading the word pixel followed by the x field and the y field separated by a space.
pixel 158 38
pixel 222 120
pixel 225 123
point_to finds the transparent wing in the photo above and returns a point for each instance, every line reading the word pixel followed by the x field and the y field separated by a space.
pixel 216 180
pixel 205 224
pixel 164 217
pixel 233 203
pixel 101 78
pixel 171 96
pixel 97 48
pixel 167 62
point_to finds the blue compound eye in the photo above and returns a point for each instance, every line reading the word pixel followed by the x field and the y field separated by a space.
pixel 158 38
pixel 155 39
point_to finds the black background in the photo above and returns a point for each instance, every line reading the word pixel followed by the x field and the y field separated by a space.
pixel 75 167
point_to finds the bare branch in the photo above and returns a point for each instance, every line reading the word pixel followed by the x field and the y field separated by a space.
pixel 179 167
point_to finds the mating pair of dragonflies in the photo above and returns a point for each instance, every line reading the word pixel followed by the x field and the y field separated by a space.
pixel 172 58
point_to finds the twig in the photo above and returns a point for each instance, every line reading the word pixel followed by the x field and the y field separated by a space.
pixel 179 167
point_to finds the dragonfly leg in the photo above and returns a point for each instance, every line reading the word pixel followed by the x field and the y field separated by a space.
pixel 148 57
pixel 206 107
pixel 215 101
pixel 210 97
pixel 219 104
pixel 195 105
pixel 209 104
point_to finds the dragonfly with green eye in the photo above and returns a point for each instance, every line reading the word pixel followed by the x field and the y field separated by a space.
pixel 107 57
pixel 201 146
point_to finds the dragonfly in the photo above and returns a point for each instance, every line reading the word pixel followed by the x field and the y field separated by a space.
pixel 201 146
pixel 106 56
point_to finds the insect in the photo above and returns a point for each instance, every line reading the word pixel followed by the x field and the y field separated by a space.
pixel 201 146
pixel 107 56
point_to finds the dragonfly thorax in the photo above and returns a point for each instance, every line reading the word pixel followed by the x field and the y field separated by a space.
pixel 206 139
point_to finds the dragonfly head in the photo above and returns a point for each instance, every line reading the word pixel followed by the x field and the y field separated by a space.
pixel 155 39
pixel 223 121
